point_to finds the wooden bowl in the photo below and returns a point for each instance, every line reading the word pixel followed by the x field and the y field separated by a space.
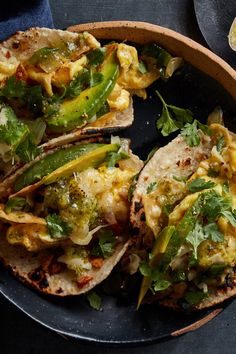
pixel 141 32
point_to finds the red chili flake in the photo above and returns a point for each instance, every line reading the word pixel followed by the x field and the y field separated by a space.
pixel 97 262
pixel 84 281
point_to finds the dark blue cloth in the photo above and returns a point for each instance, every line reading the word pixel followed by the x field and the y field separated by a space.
pixel 18 15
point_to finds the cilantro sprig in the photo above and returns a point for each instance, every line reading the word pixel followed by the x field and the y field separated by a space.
pixel 105 245
pixel 158 281
pixel 199 184
pixel 57 227
pixel 201 233
pixel 112 158
pixel 16 203
pixel 94 300
pixel 190 132
pixel 172 118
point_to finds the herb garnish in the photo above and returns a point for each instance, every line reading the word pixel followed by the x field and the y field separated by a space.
pixel 57 227
pixel 94 300
pixel 172 117
pixel 220 144
pixel 96 56
pixel 199 184
pixel 105 246
pixel 112 158
pixel 158 282
pixel 16 203
pixel 212 173
pixel 151 187
pixel 191 134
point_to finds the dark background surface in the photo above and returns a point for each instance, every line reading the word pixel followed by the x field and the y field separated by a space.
pixel 18 333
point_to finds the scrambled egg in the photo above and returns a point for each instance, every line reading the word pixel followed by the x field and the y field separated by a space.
pixel 85 200
pixel 224 164
pixel 59 70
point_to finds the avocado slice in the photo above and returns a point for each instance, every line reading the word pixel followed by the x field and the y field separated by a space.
pixel 60 159
pixel 158 250
pixel 77 112
pixel 91 159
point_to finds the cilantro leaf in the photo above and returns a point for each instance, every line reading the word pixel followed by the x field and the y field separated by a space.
pixel 212 232
pixel 225 187
pixel 14 88
pixel 132 187
pixel 27 150
pixel 16 203
pixel 229 216
pixel 199 184
pixel 193 298
pixel 159 283
pixel 220 144
pixel 105 246
pixel 212 173
pixel 96 56
pixel 204 128
pixel 160 54
pixel 94 300
pixel 95 79
pixel 191 134
pixel 12 131
pixel 57 227
pixel 145 269
pixel 172 117
pixel 106 242
pixel 181 114
pixel 166 123
pixel 78 84
pixel 214 204
pixel 151 187
pixel 85 79
pixel 113 157
pixel 196 237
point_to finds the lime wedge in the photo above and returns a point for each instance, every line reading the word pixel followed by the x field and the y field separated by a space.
pixel 232 35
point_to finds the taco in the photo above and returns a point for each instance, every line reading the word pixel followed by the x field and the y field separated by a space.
pixel 57 87
pixel 66 226
pixel 183 211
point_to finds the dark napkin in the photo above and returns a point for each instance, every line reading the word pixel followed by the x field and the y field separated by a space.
pixel 18 15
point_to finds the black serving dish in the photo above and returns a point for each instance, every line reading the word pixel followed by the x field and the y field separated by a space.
pixel 119 323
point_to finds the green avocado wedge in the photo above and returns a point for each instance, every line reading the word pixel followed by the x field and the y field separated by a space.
pixel 158 250
pixel 92 159
pixel 63 162
pixel 76 112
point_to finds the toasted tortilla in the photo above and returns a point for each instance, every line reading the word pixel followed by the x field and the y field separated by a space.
pixel 21 46
pixel 175 159
pixel 215 297
pixel 180 160
pixel 36 270
pixel 7 185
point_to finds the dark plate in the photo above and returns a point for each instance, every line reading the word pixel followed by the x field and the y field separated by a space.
pixel 214 18
pixel 119 323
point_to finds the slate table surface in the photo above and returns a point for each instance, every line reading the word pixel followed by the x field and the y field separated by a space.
pixel 18 333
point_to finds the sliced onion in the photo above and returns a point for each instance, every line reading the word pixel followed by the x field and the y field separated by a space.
pixel 172 66
pixel 216 116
